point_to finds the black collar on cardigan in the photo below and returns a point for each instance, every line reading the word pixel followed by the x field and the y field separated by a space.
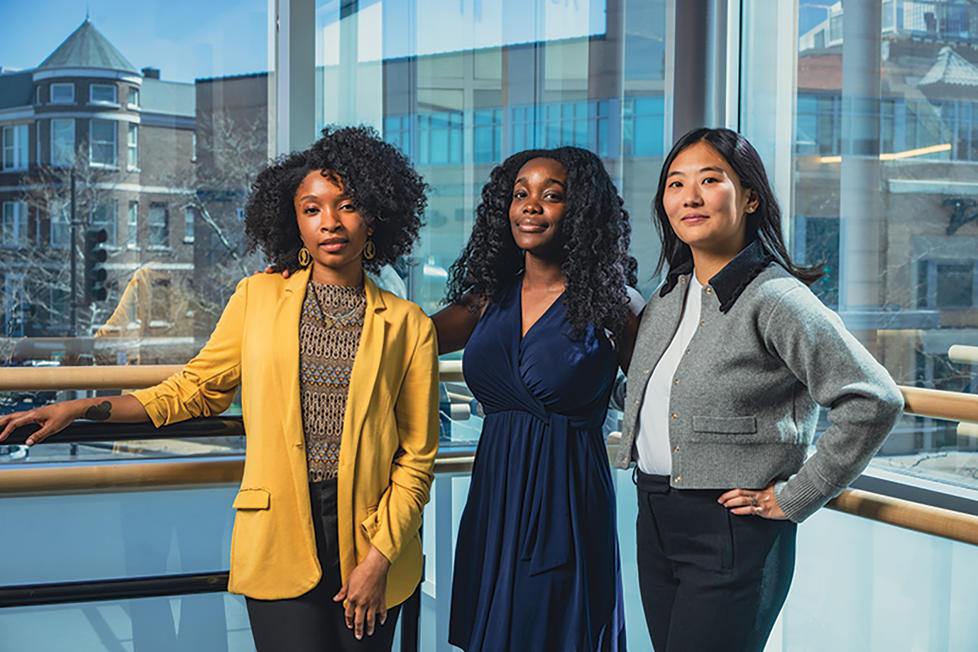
pixel 730 281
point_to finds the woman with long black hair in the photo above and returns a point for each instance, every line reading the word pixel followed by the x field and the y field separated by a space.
pixel 732 358
pixel 539 300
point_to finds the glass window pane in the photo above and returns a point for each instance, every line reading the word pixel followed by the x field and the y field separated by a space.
pixel 59 212
pixel 188 224
pixel 159 227
pixel 103 135
pixel 103 94
pixel 62 93
pixel 955 285
pixel 132 224
pixel 160 115
pixel 879 192
pixel 62 141
pixel 104 217
pixel 132 146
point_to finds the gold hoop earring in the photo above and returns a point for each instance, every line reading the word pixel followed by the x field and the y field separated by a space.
pixel 304 257
pixel 369 250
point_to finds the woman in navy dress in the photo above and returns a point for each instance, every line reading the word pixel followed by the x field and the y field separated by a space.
pixel 539 300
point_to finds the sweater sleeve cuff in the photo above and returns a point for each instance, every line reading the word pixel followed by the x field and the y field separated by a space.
pixel 799 497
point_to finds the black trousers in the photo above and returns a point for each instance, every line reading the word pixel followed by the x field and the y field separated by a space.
pixel 710 580
pixel 312 622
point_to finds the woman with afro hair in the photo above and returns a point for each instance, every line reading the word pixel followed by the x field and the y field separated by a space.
pixel 338 385
pixel 540 300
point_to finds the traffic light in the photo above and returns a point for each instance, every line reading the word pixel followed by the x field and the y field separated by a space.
pixel 95 256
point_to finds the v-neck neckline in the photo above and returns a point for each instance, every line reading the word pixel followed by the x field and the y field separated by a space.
pixel 519 311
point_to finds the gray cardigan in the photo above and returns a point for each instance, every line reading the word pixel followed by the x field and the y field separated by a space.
pixel 744 397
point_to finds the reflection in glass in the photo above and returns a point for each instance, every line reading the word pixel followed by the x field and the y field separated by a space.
pixel 885 197
pixel 460 87
pixel 91 141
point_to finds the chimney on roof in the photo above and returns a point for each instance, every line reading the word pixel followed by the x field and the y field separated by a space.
pixel 151 73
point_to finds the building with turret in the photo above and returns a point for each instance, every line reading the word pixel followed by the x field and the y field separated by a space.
pixel 91 143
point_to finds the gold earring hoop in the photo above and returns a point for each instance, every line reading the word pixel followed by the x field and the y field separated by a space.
pixel 369 250
pixel 304 257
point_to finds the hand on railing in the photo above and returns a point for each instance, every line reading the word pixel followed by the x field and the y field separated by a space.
pixel 51 419
pixel 55 417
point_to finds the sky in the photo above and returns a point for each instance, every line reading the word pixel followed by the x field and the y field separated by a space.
pixel 185 39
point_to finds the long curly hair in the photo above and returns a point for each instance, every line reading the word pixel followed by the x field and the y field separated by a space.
pixel 380 180
pixel 594 233
pixel 764 224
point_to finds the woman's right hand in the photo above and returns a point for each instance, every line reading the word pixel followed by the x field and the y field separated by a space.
pixel 271 270
pixel 52 418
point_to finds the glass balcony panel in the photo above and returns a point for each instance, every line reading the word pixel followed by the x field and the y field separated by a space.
pixel 83 537
pixel 855 590
pixel 210 622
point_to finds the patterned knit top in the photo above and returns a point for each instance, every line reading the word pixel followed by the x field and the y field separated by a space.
pixel 329 335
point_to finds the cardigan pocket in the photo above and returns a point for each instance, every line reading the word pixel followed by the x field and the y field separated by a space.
pixel 252 499
pixel 726 430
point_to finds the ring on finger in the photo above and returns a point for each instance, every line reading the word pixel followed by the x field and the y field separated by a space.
pixel 753 501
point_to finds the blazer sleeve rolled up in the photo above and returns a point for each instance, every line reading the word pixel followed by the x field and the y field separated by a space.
pixel 207 384
pixel 399 511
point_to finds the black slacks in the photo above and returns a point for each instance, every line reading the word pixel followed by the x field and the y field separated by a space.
pixel 312 622
pixel 710 580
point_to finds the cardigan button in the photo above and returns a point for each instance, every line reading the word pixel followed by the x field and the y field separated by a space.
pixel 688 351
pixel 678 479
pixel 702 323
pixel 708 290
pixel 675 449
pixel 675 381
pixel 674 416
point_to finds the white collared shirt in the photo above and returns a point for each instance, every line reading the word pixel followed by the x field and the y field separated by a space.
pixel 652 442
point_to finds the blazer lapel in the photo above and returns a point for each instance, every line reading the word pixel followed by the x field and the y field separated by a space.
pixel 286 335
pixel 366 368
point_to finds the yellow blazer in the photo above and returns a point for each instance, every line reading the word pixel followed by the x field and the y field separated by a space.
pixel 390 435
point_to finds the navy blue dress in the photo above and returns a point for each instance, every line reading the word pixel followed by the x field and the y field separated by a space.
pixel 536 561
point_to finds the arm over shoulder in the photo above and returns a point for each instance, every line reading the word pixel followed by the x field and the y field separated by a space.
pixel 840 374
pixel 206 385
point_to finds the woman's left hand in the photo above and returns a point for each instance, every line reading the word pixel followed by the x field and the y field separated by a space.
pixel 745 502
pixel 365 594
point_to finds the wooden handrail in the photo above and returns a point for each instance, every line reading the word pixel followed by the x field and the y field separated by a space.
pixel 944 523
pixel 125 377
pixel 955 406
pixel 134 475
pixel 940 404
pixel 963 354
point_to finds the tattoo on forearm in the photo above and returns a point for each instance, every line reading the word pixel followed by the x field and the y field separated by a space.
pixel 99 412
